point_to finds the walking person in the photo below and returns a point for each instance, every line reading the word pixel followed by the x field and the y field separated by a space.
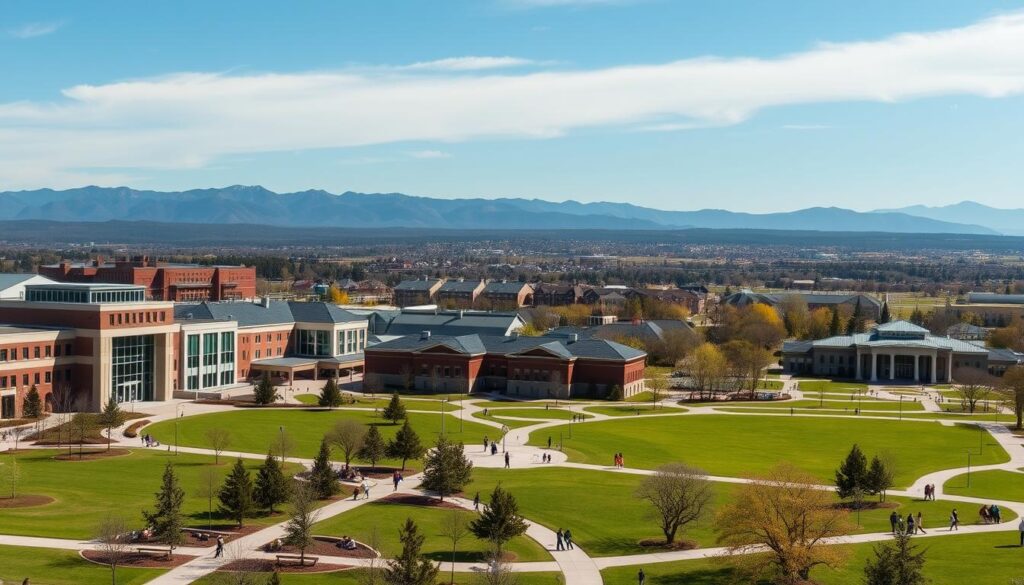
pixel 355 493
pixel 1020 528
pixel 396 478
pixel 567 535
pixel 220 548
pixel 494 448
pixel 894 520
pixel 366 490
pixel 920 524
pixel 910 525
pixel 954 521
pixel 476 502
pixel 507 459
pixel 641 578
pixel 559 545
pixel 549 441
pixel 485 443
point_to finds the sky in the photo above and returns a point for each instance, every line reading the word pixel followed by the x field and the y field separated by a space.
pixel 748 106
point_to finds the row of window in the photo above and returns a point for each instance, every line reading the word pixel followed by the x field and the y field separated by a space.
pixel 36 352
pixel 441 371
pixel 137 317
pixel 47 377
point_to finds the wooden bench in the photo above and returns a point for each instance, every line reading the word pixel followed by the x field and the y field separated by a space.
pixel 162 552
pixel 296 559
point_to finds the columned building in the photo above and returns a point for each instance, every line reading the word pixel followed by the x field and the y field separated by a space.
pixel 893 351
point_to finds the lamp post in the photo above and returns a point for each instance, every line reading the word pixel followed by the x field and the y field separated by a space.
pixel 280 435
pixel 444 401
pixel 968 469
pixel 901 407
pixel 179 411
pixel 981 439
pixel 504 435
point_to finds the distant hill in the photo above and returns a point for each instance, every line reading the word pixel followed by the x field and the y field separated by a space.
pixel 256 205
pixel 1006 221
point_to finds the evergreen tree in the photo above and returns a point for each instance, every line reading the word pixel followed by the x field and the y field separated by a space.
pixel 236 494
pixel 166 521
pixel 446 469
pixel 32 406
pixel 856 324
pixel 500 521
pixel 410 567
pixel 112 416
pixel 405 445
pixel 330 395
pixel 917 316
pixel 322 478
pixel 272 486
pixel 374 448
pixel 265 392
pixel 885 317
pixel 395 410
pixel 896 563
pixel 879 478
pixel 852 473
pixel 835 327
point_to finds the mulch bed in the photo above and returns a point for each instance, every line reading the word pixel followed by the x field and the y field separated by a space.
pixel 133 430
pixel 91 454
pixel 418 500
pixel 269 566
pixel 660 543
pixel 228 531
pixel 327 546
pixel 135 559
pixel 382 472
pixel 25 501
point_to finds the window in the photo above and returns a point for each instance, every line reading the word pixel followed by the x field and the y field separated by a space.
pixel 313 342
pixel 47 377
pixel 210 349
pixel 56 351
pixel 35 352
pixel 24 379
pixel 24 353
pixel 111 318
pixel 3 355
pixel 3 381
pixel 35 378
pixel 257 354
pixel 47 352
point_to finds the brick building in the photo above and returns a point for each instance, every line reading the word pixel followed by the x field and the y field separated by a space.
pixel 163 281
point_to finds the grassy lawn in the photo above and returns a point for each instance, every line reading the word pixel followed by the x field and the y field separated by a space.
pixel 574 498
pixel 632 410
pixel 907 405
pixel 61 567
pixel 355 577
pixel 87 491
pixel 744 446
pixel 644 396
pixel 886 414
pixel 431 405
pixel 388 518
pixel 996 484
pixel 831 386
pixel 538 413
pixel 253 430
pixel 950 560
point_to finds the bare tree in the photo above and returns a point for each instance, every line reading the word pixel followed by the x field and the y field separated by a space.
pixel 282 445
pixel 349 436
pixel 972 386
pixel 455 528
pixel 498 571
pixel 680 495
pixel 10 471
pixel 299 529
pixel 371 573
pixel 1012 390
pixel 209 486
pixel 112 536
pixel 81 425
pixel 219 440
pixel 245 570
pixel 656 386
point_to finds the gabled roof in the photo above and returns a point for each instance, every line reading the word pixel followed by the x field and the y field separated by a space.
pixel 510 345
pixel 8 279
pixel 901 326
pixel 504 288
pixel 321 313
pixel 249 314
pixel 465 286
pixel 412 322
pixel 417 285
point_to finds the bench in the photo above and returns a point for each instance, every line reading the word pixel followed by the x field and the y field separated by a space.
pixel 162 552
pixel 296 559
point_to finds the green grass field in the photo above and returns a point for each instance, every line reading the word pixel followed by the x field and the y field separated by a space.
pixel 387 518
pixel 887 414
pixel 44 566
pixel 253 430
pixel 632 410
pixel 537 413
pixel 894 405
pixel 355 577
pixel 990 558
pixel 417 403
pixel 996 484
pixel 744 446
pixel 831 386
pixel 87 491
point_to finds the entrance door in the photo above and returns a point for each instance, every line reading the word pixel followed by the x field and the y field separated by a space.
pixel 7 406
pixel 129 392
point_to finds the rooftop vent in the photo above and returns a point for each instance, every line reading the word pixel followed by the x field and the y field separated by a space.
pixel 424 335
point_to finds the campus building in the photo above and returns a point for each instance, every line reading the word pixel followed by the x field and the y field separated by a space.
pixel 898 350
pixel 81 344
pixel 162 281
pixel 870 307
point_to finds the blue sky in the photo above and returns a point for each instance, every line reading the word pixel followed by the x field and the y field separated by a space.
pixel 755 106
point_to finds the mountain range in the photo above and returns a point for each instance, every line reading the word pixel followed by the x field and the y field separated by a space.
pixel 1004 221
pixel 315 208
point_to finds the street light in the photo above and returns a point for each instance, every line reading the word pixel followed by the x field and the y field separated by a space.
pixel 504 435
pixel 177 415
pixel 901 407
pixel 444 401
pixel 968 469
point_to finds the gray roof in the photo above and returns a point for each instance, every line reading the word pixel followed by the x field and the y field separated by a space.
pixel 994 298
pixel 417 285
pixel 508 345
pixel 321 313
pixel 453 323
pixel 746 297
pixel 249 314
pixel 8 279
pixel 901 326
pixel 873 340
pixel 466 286
pixel 504 288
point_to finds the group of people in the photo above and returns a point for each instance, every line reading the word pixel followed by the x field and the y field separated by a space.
pixel 545 458
pixel 990 514
pixel 929 492
pixel 149 441
pixel 577 417
pixel 563 539
pixel 912 525
pixel 364 490
pixel 619 461
pixel 346 543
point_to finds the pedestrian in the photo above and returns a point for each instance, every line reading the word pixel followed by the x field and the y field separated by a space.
pixel 985 517
pixel 927 491
pixel 494 448
pixel 220 548
pixel 954 520
pixel 507 458
pixel 1020 528
pixel 366 490
pixel 355 493
pixel 396 478
pixel 920 524
pixel 995 513
pixel 894 520
pixel 640 577
pixel 910 525
pixel 901 527
pixel 549 441
pixel 567 535
pixel 560 546
pixel 485 412
pixel 485 443
pixel 476 502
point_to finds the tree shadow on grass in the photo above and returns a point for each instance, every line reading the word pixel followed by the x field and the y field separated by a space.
pixel 721 576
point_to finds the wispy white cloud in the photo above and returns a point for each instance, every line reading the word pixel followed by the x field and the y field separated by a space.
pixel 468 64
pixel 187 120
pixel 35 29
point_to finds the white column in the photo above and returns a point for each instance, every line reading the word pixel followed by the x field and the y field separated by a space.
pixel 857 366
pixel 917 368
pixel 949 368
pixel 874 367
pixel 892 366
pixel 934 364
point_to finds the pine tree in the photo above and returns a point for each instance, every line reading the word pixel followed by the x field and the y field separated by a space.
pixel 32 407
pixel 896 563
pixel 166 521
pixel 405 445
pixel 917 316
pixel 330 395
pixel 410 567
pixel 374 448
pixel 852 473
pixel 271 486
pixel 500 521
pixel 835 327
pixel 885 316
pixel 265 392
pixel 395 410
pixel 879 478
pixel 856 324
pixel 111 417
pixel 322 478
pixel 236 494
pixel 446 469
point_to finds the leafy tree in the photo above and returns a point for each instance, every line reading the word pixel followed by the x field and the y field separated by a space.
pixel 322 477
pixel 374 447
pixel 272 486
pixel 395 410
pixel 32 406
pixel 265 392
pixel 896 563
pixel 348 435
pixel 405 445
pixel 852 473
pixel 856 324
pixel 236 494
pixel 410 567
pixel 917 316
pixel 679 494
pixel 880 477
pixel 500 521
pixel 330 395
pixel 166 520
pixel 111 417
pixel 299 529
pixel 616 393
pixel 446 470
